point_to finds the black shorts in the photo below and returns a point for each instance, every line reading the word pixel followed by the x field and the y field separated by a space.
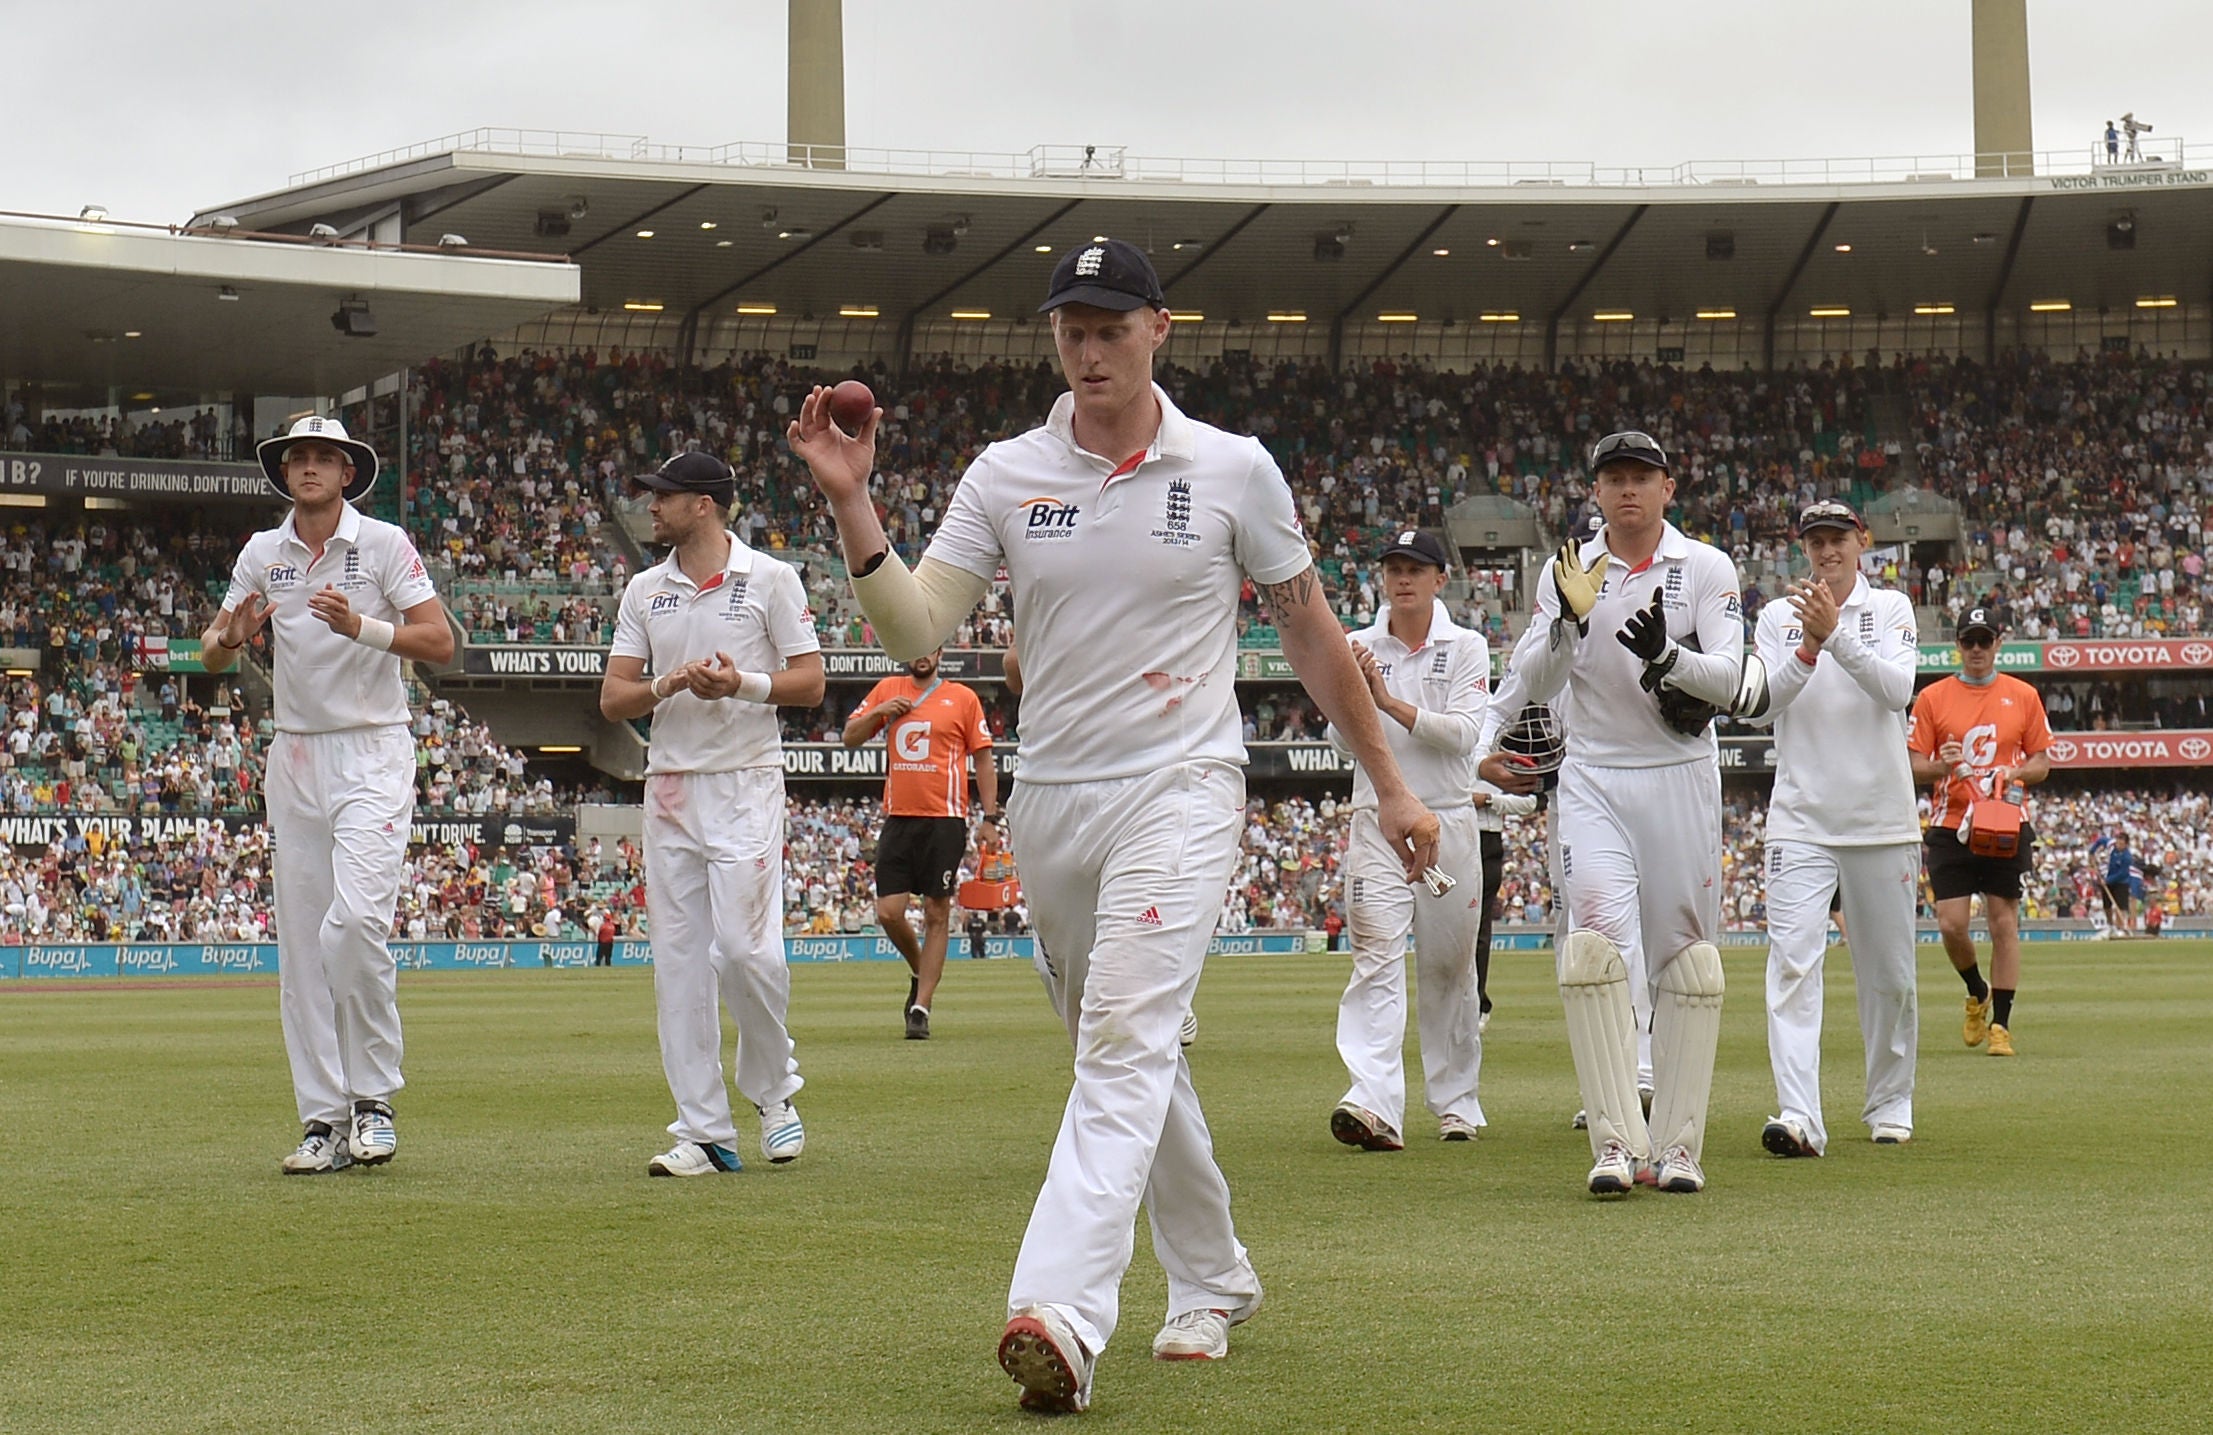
pixel 1956 872
pixel 2117 899
pixel 921 855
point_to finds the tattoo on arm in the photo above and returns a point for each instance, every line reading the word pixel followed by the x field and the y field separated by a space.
pixel 1292 593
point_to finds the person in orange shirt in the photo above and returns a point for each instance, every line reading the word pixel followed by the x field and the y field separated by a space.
pixel 931 729
pixel 1976 735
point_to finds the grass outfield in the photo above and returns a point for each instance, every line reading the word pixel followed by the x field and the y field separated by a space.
pixel 2036 1259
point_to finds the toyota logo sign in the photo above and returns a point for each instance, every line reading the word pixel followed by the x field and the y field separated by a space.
pixel 2062 655
pixel 2197 655
pixel 2196 749
pixel 2062 750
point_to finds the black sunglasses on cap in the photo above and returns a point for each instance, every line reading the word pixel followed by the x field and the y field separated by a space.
pixel 1629 444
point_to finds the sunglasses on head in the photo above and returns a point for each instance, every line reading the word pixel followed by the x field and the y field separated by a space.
pixel 1631 442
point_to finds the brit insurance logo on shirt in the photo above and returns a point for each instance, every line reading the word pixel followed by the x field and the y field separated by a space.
pixel 283 576
pixel 1175 530
pixel 1048 520
pixel 663 603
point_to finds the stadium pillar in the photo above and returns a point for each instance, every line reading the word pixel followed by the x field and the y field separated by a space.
pixel 814 126
pixel 2001 77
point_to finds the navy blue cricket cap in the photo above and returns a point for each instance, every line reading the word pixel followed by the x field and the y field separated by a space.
pixel 693 472
pixel 1418 545
pixel 1978 620
pixel 1106 274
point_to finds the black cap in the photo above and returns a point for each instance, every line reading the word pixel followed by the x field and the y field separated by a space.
pixel 1632 444
pixel 693 472
pixel 1978 620
pixel 1107 274
pixel 1415 543
pixel 1828 513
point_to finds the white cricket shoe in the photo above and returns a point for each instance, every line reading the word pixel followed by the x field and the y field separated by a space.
pixel 1202 1334
pixel 1890 1133
pixel 1782 1136
pixel 321 1149
pixel 374 1141
pixel 1679 1172
pixel 1615 1171
pixel 782 1136
pixel 1456 1128
pixel 1041 1351
pixel 1190 1031
pixel 694 1158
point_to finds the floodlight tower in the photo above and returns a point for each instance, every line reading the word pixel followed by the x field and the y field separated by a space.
pixel 814 124
pixel 2001 65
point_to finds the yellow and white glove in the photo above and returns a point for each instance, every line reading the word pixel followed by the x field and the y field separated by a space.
pixel 1576 585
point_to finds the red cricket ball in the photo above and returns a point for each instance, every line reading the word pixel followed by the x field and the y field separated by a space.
pixel 850 405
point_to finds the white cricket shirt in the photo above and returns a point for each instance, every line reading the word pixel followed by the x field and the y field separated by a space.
pixel 1611 720
pixel 754 610
pixel 1842 773
pixel 325 683
pixel 1126 578
pixel 1449 678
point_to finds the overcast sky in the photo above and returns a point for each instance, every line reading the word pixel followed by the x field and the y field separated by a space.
pixel 213 101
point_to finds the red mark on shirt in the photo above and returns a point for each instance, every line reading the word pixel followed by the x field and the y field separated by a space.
pixel 1168 683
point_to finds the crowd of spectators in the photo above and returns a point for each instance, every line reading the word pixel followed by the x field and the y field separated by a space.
pixel 203 434
pixel 213 884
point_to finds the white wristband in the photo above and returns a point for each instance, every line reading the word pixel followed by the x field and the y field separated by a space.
pixel 655 687
pixel 375 633
pixel 753 687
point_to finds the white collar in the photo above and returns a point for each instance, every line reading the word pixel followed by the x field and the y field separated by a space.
pixel 349 526
pixel 1176 439
pixel 740 560
pixel 1673 548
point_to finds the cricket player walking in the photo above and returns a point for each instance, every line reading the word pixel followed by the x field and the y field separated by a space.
pixel 1431 680
pixel 1840 657
pixel 1127 530
pixel 345 598
pixel 729 638
pixel 1644 633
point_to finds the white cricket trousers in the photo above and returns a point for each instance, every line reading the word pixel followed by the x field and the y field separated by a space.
pixel 714 892
pixel 1639 850
pixel 340 805
pixel 1383 908
pixel 1880 886
pixel 1125 879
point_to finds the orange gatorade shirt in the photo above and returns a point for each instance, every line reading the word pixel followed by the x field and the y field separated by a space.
pixel 2001 725
pixel 927 775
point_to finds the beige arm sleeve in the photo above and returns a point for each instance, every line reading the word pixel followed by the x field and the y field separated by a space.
pixel 915 612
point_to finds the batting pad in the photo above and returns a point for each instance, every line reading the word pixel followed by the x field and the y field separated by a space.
pixel 1686 1027
pixel 1594 987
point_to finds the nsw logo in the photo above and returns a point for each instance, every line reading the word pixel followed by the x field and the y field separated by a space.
pixel 1048 519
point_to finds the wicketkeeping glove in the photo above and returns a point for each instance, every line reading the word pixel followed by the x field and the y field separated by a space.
pixel 1645 634
pixel 1576 585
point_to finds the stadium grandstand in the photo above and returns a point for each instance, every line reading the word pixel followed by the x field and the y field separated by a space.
pixel 2005 367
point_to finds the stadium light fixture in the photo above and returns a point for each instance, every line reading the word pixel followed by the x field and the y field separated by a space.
pixel 1397 316
pixel 642 306
pixel 971 315
pixel 1499 316
pixel 1829 311
pixel 227 294
pixel 756 309
pixel 223 223
pixel 133 333
pixel 1927 309
pixel 2160 302
pixel 452 241
pixel 1490 243
pixel 703 224
pixel 1044 249
pixel 722 244
pixel 93 213
pixel 1612 316
pixel 856 311
pixel 1186 316
pixel 645 234
pixel 1442 253
pixel 1844 249
pixel 141 397
pixel 559 749
pixel 2050 306
pixel 1716 314
pixel 321 231
pixel 1286 316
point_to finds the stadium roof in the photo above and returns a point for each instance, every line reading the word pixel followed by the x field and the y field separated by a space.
pixel 917 235
pixel 101 312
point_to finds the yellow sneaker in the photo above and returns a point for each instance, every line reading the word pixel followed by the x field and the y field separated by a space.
pixel 2001 1041
pixel 1976 1028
